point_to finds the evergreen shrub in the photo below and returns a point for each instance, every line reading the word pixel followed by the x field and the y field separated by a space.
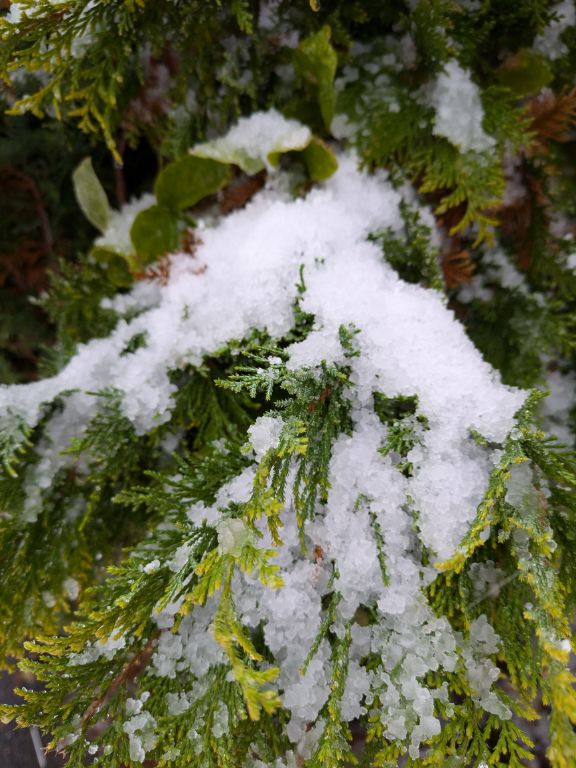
pixel 296 487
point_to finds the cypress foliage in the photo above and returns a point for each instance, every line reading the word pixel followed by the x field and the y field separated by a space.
pixel 299 462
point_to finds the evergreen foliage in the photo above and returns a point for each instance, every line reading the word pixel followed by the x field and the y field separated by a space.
pixel 167 480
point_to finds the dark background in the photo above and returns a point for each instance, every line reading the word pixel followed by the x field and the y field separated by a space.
pixel 16 747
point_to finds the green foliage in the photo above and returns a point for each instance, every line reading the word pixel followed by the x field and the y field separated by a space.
pixel 157 230
pixel 511 745
pixel 334 748
pixel 39 224
pixel 405 427
pixel 320 161
pixel 412 255
pixel 92 81
pixel 13 441
pixel 73 303
pixel 120 547
pixel 312 417
pixel 527 332
pixel 396 129
pixel 431 23
pixel 527 533
pixel 132 593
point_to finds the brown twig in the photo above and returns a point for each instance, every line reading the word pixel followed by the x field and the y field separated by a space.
pixel 326 392
pixel 27 183
pixel 132 669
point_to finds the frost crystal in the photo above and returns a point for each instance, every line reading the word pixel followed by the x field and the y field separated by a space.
pixel 107 648
pixel 72 588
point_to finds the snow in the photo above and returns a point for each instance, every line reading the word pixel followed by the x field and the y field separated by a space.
pixel 555 409
pixel 254 139
pixel 253 259
pixel 521 493
pixel 116 237
pixel 408 344
pixel 459 112
pixel 94 651
pixel 14 14
pixel 71 588
pixel 233 534
pixel 498 270
pixel 487 580
pixel 549 43
pixel 140 730
pixel 264 434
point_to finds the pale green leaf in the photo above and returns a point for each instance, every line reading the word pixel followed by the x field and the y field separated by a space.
pixel 90 195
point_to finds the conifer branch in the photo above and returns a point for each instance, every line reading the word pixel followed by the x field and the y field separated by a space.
pixel 131 670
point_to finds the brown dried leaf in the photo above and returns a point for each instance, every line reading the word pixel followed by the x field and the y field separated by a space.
pixel 24 267
pixel 553 116
pixel 237 194
pixel 457 267
pixel 161 270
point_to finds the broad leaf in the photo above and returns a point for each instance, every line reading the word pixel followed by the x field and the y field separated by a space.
pixel 315 62
pixel 90 195
pixel 153 233
pixel 184 183
pixel 117 269
pixel 525 73
pixel 320 160
pixel 257 142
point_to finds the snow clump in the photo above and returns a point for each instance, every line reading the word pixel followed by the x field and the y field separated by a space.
pixel 459 112
pixel 549 43
pixel 408 344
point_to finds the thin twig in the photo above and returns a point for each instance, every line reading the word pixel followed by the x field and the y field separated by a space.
pixel 131 670
pixel 119 178
pixel 30 185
